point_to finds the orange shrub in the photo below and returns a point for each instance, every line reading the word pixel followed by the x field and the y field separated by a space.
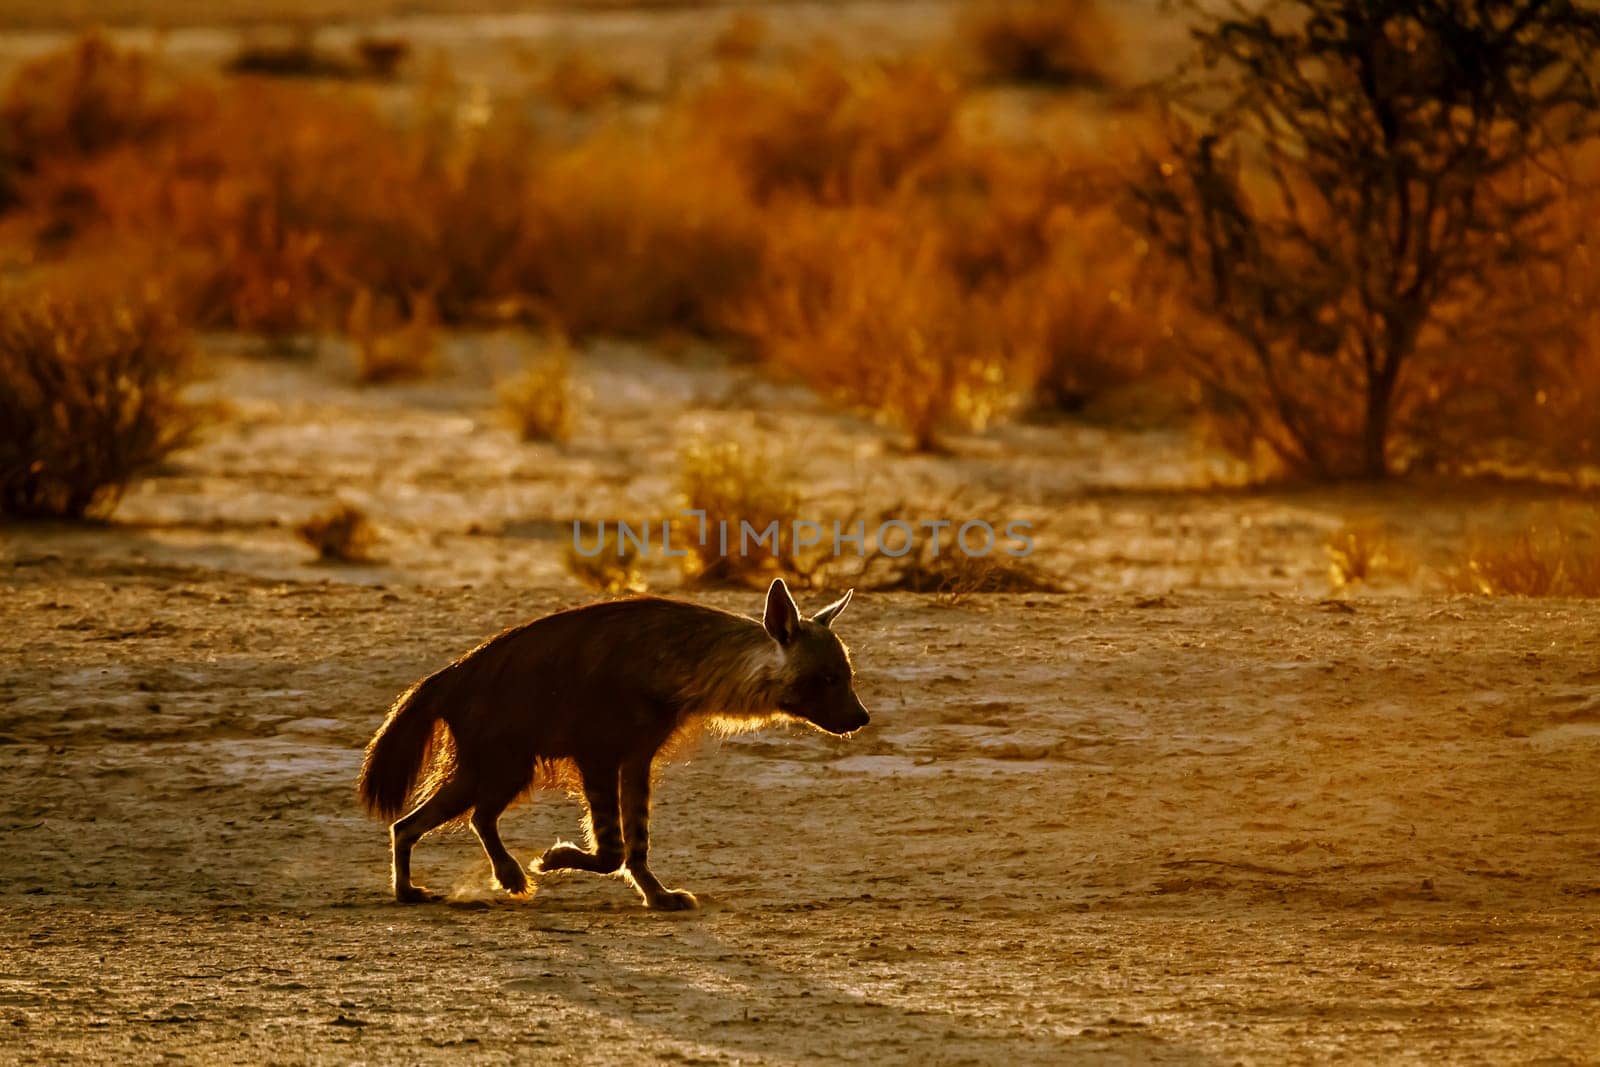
pixel 741 38
pixel 824 130
pixel 240 205
pixel 1092 313
pixel 863 304
pixel 1527 402
pixel 577 81
pixel 1056 42
pixel 636 237
pixel 78 102
pixel 289 228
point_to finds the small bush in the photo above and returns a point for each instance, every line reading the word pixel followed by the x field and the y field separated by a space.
pixel 91 395
pixel 1047 42
pixel 343 534
pixel 1556 557
pixel 733 487
pixel 540 401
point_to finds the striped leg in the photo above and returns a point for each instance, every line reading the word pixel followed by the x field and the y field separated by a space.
pixel 604 855
pixel 636 817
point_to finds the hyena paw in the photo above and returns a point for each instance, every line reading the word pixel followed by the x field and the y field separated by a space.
pixel 673 900
pixel 513 879
pixel 562 858
pixel 415 894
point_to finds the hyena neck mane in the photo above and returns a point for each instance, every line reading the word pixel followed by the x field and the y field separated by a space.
pixel 733 677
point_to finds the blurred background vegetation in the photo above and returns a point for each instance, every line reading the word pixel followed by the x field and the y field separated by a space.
pixel 1344 240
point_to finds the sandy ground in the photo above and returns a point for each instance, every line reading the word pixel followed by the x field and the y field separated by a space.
pixel 1187 810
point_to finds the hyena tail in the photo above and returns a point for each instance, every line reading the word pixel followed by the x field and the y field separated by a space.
pixel 403 746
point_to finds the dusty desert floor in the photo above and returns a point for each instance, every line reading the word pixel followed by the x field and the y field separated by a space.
pixel 1186 810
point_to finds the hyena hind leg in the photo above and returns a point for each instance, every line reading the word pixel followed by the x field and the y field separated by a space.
pixel 636 815
pixel 453 798
pixel 605 829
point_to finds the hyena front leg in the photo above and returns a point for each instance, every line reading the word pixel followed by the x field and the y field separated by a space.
pixel 636 816
pixel 605 829
pixel 453 798
pixel 486 824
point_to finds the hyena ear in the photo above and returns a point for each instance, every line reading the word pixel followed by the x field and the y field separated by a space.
pixel 831 612
pixel 782 618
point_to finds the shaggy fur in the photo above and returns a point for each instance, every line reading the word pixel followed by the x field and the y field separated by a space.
pixel 589 699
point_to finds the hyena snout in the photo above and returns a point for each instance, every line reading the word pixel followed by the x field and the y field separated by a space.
pixel 844 720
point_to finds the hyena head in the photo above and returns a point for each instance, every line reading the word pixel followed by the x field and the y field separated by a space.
pixel 814 683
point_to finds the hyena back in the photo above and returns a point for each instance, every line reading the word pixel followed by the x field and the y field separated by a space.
pixel 594 693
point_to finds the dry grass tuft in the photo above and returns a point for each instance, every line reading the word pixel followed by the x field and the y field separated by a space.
pixel 343 534
pixel 390 347
pixel 1558 556
pixel 614 568
pixel 541 401
pixel 1042 42
pixel 91 395
pixel 741 494
pixel 1366 551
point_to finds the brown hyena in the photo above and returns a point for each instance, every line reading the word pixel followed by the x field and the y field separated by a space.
pixel 590 697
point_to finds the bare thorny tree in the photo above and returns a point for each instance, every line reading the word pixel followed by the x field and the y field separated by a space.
pixel 1345 179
